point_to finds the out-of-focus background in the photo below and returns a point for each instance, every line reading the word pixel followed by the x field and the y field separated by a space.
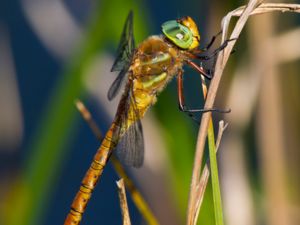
pixel 54 51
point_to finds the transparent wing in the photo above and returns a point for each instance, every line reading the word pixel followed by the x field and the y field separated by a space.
pixel 126 45
pixel 124 56
pixel 115 87
pixel 130 149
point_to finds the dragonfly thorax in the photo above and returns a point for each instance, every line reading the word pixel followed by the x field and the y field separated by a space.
pixel 155 63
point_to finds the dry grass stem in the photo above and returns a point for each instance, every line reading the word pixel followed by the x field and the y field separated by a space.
pixel 205 173
pixel 88 119
pixel 220 65
pixel 261 9
pixel 253 7
pixel 222 127
pixel 123 202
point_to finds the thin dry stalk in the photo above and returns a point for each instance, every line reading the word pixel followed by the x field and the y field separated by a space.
pixel 261 9
pixel 123 202
pixel 205 173
pixel 253 7
pixel 222 127
pixel 85 113
pixel 220 65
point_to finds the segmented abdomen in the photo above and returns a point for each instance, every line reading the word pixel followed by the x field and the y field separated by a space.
pixel 93 174
pixel 91 178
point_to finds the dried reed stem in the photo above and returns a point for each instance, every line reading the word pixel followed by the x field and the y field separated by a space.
pixel 220 65
pixel 123 202
pixel 87 116
pixel 261 9
pixel 253 7
pixel 205 173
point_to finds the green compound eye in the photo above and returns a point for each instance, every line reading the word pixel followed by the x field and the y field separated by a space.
pixel 180 35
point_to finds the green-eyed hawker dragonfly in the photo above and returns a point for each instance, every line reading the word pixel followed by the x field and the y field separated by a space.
pixel 146 69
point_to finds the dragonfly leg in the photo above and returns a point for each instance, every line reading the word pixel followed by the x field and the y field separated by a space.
pixel 207 73
pixel 208 46
pixel 212 41
pixel 181 97
pixel 182 106
pixel 216 51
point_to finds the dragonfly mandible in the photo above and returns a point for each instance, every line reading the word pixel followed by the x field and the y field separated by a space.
pixel 146 70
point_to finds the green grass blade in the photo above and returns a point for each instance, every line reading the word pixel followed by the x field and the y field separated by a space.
pixel 214 176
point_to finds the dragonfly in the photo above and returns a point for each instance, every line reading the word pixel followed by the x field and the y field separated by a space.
pixel 145 70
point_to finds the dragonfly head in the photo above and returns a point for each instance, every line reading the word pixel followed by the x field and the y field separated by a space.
pixel 182 32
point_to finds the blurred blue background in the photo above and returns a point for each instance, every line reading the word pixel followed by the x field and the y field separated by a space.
pixel 53 52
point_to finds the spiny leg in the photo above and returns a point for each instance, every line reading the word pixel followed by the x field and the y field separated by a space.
pixel 208 46
pixel 181 101
pixel 211 42
pixel 181 97
pixel 208 74
pixel 216 51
